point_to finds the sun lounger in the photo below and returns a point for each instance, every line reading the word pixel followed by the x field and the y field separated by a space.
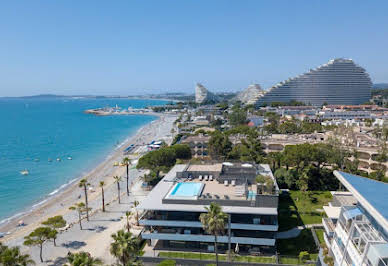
pixel 200 178
pixel 211 178
pixel 226 183
pixel 233 182
pixel 206 178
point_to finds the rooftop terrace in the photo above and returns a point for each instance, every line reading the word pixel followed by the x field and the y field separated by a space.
pixel 233 197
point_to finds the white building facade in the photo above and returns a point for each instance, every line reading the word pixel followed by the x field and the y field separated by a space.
pixel 356 230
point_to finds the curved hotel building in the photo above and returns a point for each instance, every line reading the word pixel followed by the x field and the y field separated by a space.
pixel 340 81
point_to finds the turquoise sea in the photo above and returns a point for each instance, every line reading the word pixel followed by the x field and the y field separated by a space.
pixel 35 130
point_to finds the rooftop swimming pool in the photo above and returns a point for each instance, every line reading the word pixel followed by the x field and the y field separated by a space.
pixel 187 190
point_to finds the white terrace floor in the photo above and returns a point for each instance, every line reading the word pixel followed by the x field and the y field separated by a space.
pixel 221 191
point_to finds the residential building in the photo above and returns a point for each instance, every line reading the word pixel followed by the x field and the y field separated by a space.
pixel 345 115
pixel 250 94
pixel 198 144
pixel 340 81
pixel 202 95
pixel 356 230
pixel 173 207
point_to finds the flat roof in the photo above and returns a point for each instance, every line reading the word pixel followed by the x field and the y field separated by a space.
pixel 154 199
pixel 332 212
pixel 205 167
pixel 371 194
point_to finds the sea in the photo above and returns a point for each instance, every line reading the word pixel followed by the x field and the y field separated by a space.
pixel 35 132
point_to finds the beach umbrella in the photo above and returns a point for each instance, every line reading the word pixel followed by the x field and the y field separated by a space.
pixel 236 250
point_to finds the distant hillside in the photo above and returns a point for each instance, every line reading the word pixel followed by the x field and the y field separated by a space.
pixel 380 86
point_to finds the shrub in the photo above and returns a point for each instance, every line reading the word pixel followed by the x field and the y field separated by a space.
pixel 303 256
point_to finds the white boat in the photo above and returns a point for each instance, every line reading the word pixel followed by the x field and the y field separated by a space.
pixel 69 158
pixel 24 172
pixel 58 159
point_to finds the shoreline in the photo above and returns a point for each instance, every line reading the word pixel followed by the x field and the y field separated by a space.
pixel 60 189
pixel 64 192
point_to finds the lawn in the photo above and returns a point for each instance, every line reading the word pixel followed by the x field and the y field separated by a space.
pixel 298 208
pixel 293 246
pixel 206 256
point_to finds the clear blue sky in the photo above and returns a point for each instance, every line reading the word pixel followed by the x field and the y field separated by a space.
pixel 132 47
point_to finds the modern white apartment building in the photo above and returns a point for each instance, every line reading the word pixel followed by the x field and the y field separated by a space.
pixel 356 230
pixel 340 81
pixel 173 207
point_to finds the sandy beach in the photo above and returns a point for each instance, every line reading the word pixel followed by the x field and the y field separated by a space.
pixel 95 237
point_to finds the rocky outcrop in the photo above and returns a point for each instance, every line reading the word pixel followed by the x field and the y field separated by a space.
pixel 250 94
pixel 202 95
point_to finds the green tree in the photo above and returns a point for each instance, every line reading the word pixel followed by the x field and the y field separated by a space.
pixel 288 127
pixel 13 257
pixel 158 160
pixel 275 159
pixel 182 151
pixel 117 181
pixel 126 161
pixel 219 145
pixel 82 259
pixel 55 223
pixel 83 183
pixel 102 184
pixel 237 116
pixel 38 237
pixel 125 247
pixel 213 223
pixel 80 208
pixel 303 182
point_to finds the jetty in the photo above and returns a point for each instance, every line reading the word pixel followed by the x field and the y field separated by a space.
pixel 118 111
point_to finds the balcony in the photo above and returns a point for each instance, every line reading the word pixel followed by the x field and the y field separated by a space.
pixel 191 219
pixel 329 226
pixel 207 238
pixel 188 224
pixel 327 240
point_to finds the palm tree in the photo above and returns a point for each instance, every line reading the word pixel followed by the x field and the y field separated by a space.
pixel 135 204
pixel 117 180
pixel 102 184
pixel 128 214
pixel 80 208
pixel 83 183
pixel 82 259
pixel 125 247
pixel 13 257
pixel 213 223
pixel 126 161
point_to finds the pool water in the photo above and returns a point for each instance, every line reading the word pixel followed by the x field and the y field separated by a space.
pixel 187 189
pixel 251 195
